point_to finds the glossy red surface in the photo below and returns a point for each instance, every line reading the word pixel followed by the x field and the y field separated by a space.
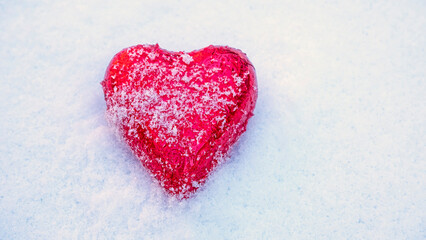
pixel 180 112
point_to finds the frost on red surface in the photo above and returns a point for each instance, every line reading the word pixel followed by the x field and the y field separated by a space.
pixel 180 112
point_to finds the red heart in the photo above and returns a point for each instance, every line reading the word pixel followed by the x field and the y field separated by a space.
pixel 180 112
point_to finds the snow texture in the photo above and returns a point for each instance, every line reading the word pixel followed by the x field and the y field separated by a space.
pixel 335 150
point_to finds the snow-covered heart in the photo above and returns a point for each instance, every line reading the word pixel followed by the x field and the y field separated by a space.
pixel 180 112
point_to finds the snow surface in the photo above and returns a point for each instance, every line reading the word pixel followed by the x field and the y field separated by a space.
pixel 336 149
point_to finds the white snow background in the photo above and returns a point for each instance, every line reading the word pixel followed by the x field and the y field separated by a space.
pixel 336 149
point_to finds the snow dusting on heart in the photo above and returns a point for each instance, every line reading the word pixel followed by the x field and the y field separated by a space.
pixel 180 112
